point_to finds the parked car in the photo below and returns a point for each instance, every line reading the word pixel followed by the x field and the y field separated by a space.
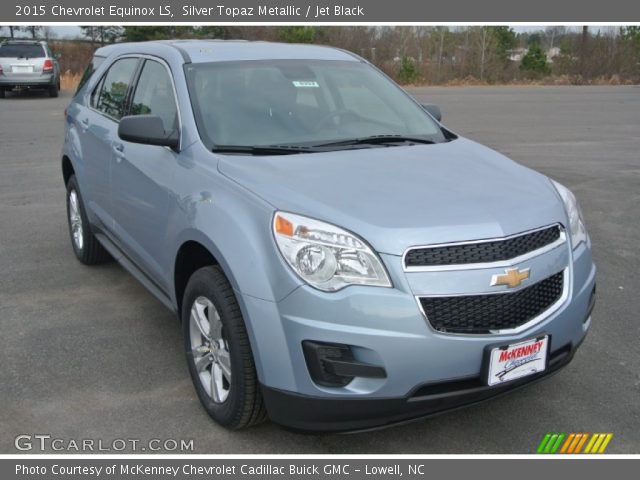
pixel 28 64
pixel 339 259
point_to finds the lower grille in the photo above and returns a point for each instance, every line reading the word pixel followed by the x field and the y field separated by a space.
pixel 477 314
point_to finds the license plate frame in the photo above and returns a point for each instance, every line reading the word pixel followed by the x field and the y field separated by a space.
pixel 503 369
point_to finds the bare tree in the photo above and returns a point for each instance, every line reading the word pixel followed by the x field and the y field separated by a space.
pixel 91 32
pixel 48 33
pixel 33 30
pixel 583 50
pixel 553 33
pixel 13 29
pixel 107 33
pixel 484 46
pixel 442 31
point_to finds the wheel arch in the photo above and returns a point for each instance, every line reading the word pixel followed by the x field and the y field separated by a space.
pixel 67 169
pixel 193 254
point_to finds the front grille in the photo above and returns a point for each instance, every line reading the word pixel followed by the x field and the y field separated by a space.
pixel 482 252
pixel 483 313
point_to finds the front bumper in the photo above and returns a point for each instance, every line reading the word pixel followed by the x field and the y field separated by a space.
pixel 322 414
pixel 426 371
pixel 34 81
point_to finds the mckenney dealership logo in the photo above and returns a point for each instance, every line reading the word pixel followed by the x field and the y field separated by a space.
pixel 574 442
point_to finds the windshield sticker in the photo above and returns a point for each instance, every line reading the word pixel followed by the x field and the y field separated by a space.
pixel 305 84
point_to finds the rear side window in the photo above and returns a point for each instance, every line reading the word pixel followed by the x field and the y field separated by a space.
pixel 114 87
pixel 15 50
pixel 154 95
pixel 88 72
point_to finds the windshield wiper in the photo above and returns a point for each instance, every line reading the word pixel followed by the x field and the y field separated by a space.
pixel 378 140
pixel 263 149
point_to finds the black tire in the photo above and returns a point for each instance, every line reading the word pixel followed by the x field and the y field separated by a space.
pixel 2 94
pixel 89 250
pixel 53 90
pixel 243 407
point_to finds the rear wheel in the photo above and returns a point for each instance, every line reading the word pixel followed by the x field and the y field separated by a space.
pixel 85 245
pixel 218 352
pixel 53 90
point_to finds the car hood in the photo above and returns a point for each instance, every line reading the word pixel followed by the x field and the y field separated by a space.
pixel 402 196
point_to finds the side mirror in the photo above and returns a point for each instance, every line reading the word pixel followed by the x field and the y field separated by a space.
pixel 148 130
pixel 433 110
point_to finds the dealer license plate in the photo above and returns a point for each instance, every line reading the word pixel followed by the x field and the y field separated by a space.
pixel 510 362
pixel 22 68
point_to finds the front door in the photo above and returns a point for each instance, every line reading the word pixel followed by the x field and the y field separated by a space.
pixel 142 174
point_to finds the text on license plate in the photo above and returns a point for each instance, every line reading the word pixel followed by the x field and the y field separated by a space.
pixel 22 69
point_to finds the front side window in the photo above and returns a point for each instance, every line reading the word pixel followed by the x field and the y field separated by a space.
pixel 301 102
pixel 154 95
pixel 113 88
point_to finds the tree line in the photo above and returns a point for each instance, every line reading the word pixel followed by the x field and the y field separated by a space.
pixel 434 54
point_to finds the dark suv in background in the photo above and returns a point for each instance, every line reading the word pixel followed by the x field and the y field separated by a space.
pixel 28 64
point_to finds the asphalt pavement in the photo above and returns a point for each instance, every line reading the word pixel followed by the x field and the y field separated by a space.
pixel 87 353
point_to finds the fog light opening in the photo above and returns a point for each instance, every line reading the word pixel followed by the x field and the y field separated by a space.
pixel 333 364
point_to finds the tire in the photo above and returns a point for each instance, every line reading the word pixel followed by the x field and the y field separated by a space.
pixel 220 353
pixel 85 245
pixel 2 94
pixel 53 90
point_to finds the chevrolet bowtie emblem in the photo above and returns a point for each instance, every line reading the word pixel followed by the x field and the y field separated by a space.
pixel 512 277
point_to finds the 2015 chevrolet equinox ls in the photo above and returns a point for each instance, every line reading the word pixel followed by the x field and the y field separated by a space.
pixel 339 259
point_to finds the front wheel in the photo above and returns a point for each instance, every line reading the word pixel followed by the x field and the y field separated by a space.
pixel 218 352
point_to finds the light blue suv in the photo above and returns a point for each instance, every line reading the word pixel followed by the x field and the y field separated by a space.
pixel 338 258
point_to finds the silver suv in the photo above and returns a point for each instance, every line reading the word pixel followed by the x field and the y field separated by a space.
pixel 339 259
pixel 28 64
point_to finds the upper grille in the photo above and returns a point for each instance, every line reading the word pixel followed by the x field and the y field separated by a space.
pixel 482 252
pixel 498 311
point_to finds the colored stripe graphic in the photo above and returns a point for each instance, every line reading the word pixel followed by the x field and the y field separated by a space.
pixel 556 446
pixel 581 442
pixel 572 443
pixel 567 442
pixel 543 443
pixel 604 445
pixel 593 439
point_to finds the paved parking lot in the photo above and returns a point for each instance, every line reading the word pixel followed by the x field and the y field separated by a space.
pixel 86 352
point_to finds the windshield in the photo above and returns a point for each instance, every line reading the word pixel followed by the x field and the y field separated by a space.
pixel 301 102
pixel 17 50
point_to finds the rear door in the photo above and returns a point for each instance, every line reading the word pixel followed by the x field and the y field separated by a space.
pixel 142 174
pixel 98 121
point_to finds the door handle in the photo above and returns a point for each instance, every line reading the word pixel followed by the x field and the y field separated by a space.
pixel 118 149
pixel 85 122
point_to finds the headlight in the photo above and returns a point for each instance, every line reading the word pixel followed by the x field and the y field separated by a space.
pixel 325 256
pixel 576 222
